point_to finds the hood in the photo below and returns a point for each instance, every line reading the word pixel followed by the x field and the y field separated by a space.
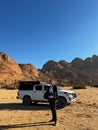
pixel 67 91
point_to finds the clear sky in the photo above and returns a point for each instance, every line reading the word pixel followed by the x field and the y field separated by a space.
pixel 36 31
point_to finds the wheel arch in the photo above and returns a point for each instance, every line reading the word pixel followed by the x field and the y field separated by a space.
pixel 26 96
pixel 62 97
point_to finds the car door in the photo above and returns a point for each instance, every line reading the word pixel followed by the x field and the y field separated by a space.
pixel 44 91
pixel 38 93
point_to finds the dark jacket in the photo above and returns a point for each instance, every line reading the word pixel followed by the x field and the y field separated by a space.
pixel 55 92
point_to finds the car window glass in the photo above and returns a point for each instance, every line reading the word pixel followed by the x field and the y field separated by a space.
pixel 46 87
pixel 26 86
pixel 39 87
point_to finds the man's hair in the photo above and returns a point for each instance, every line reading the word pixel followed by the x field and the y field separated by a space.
pixel 52 81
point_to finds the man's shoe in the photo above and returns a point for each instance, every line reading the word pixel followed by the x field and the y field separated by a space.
pixel 55 124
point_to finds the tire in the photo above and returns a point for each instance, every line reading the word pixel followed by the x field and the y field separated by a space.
pixel 61 102
pixel 27 100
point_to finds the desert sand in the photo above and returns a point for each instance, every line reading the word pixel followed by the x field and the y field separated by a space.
pixel 80 115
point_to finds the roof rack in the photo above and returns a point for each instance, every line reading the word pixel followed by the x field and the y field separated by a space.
pixel 33 82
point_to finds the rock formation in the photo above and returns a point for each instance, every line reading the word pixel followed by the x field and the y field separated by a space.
pixel 79 71
pixel 11 72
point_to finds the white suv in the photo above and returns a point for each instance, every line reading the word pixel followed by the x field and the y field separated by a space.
pixel 33 91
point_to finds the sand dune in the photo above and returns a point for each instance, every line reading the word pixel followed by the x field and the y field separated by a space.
pixel 81 115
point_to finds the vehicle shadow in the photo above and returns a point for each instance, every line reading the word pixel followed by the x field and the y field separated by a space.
pixel 4 127
pixel 19 106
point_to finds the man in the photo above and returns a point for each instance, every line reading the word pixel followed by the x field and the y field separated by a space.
pixel 52 95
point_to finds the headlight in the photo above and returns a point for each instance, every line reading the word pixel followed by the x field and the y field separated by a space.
pixel 69 94
pixel 74 95
pixel 66 93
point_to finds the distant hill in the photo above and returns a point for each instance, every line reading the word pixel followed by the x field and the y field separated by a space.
pixel 79 71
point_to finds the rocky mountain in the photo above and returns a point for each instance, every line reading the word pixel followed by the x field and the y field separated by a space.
pixel 11 72
pixel 79 71
pixel 31 73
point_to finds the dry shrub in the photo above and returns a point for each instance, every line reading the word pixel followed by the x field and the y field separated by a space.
pixel 79 87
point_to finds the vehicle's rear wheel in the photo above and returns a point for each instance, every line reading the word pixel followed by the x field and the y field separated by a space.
pixel 27 100
pixel 61 102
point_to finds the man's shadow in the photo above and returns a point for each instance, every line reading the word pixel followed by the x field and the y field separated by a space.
pixel 4 127
pixel 19 106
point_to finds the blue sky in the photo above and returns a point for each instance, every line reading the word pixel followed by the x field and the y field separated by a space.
pixel 35 31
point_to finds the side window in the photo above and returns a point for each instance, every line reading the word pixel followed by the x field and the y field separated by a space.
pixel 46 87
pixel 38 88
pixel 26 86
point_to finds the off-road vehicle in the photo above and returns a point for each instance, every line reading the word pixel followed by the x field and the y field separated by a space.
pixel 33 91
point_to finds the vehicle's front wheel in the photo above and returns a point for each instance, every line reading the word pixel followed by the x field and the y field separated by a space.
pixel 27 100
pixel 61 102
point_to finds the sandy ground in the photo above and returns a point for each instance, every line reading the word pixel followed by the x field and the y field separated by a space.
pixel 81 115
